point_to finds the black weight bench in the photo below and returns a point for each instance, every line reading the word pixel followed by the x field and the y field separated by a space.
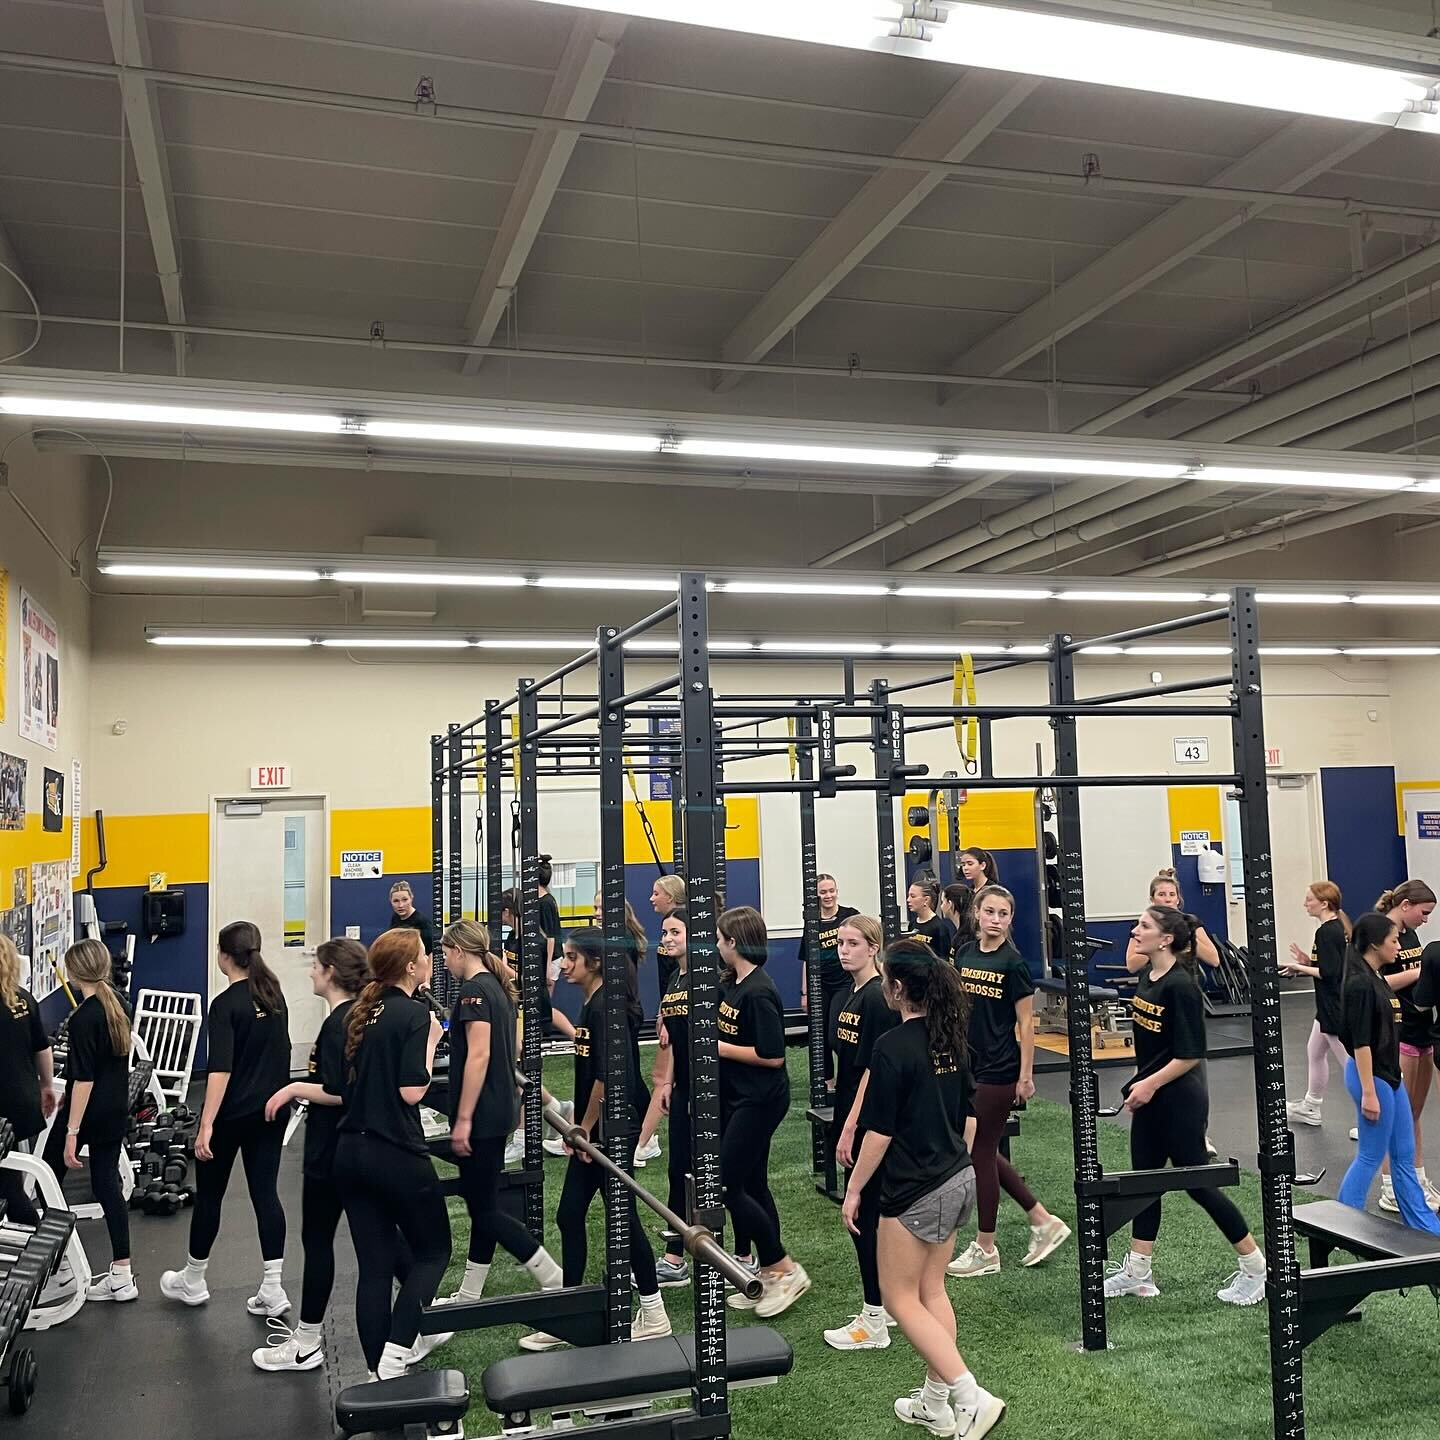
pixel 1392 1257
pixel 1123 1194
pixel 432 1403
pixel 620 1380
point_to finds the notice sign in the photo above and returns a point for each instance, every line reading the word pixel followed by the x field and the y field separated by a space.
pixel 362 864
pixel 1192 750
pixel 1427 824
pixel 1194 842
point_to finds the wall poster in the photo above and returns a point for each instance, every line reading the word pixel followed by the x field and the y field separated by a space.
pixel 39 674
pixel 12 792
pixel 52 920
pixel 74 819
pixel 52 800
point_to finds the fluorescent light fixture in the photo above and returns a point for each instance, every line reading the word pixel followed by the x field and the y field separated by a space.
pixel 208 572
pixel 806 454
pixel 605 582
pixel 952 592
pixel 1027 649
pixel 257 642
pixel 1395 599
pixel 1297 597
pixel 1304 479
pixel 655 647
pixel 511 435
pixel 960 647
pixel 1377 651
pixel 1061 47
pixel 724 647
pixel 534 642
pixel 1101 650
pixel 367 642
pixel 1177 650
pixel 1067 465
pixel 458 579
pixel 1137 597
pixel 784 587
pixel 825 647
pixel 188 416
pixel 1298 650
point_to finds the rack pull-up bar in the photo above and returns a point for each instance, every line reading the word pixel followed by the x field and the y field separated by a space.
pixel 568 668
pixel 647 692
pixel 1019 712
pixel 1177 687
pixel 1165 627
pixel 665 612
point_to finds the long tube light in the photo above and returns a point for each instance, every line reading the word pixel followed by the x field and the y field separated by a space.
pixel 1061 47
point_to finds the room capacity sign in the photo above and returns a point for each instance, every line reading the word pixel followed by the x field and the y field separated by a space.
pixel 1192 750
pixel 362 864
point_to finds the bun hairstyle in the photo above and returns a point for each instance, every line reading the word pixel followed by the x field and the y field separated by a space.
pixel 589 943
pixel 927 882
pixel 390 956
pixel 474 939
pixel 961 899
pixel 543 871
pixel 745 926
pixel 240 940
pixel 1372 928
pixel 348 962
pixel 931 985
pixel 673 888
pixel 1180 927
pixel 89 960
pixel 986 862
pixel 1166 877
pixel 1327 892
pixel 1408 892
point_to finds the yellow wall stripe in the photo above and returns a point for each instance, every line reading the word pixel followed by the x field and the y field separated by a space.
pixel 179 845
pixel 991 819
pixel 402 832
pixel 1195 807
pixel 742 830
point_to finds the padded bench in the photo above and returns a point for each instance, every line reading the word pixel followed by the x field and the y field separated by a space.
pixel 432 1402
pixel 636 1373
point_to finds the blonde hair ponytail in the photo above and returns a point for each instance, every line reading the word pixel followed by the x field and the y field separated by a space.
pixel 89 961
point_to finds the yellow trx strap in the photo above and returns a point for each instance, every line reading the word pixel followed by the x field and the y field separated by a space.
pixel 967 727
pixel 790 726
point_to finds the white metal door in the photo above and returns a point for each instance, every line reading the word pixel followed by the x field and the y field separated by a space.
pixel 270 869
pixel 1296 858
pixel 1422 837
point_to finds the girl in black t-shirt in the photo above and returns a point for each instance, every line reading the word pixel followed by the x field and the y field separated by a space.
pixel 859 1016
pixel 249 1060
pixel 919 1125
pixel 552 935
pixel 921 898
pixel 833 979
pixel 1168 1103
pixel 339 972
pixel 584 961
pixel 637 942
pixel 957 910
pixel 1325 965
pixel 484 1105
pixel 672 1081
pixel 27 1077
pixel 382 1164
pixel 978 868
pixel 95 1112
pixel 997 979
pixel 1165 892
pixel 1370 1027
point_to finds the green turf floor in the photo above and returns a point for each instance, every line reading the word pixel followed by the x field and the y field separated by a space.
pixel 1181 1366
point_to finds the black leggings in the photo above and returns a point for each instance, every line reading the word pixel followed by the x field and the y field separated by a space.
pixel 259 1142
pixel 320 1210
pixel 866 1242
pixel 1172 1128
pixel 829 992
pixel 392 1198
pixel 745 1176
pixel 583 1182
pixel 104 1182
pixel 489 1224
pixel 19 1207
pixel 679 1165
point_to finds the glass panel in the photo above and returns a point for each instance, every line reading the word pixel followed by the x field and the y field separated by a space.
pixel 294 882
pixel 1232 848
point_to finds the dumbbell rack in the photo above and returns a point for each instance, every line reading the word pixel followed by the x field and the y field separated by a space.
pixel 28 1258
pixel 161 1152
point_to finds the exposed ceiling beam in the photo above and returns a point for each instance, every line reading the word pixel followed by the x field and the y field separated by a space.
pixel 130 41
pixel 1400 415
pixel 970 111
pixel 16 330
pixel 582 70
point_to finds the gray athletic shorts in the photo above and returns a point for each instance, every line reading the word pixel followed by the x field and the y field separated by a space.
pixel 935 1217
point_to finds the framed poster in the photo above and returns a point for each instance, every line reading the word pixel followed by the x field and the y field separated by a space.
pixel 52 922
pixel 12 792
pixel 39 674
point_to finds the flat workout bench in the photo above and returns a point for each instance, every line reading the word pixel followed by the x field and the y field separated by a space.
pixel 627 1377
pixel 1392 1256
pixel 433 1402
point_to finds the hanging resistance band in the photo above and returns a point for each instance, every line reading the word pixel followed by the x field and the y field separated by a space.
pixel 967 727
pixel 790 726
pixel 645 824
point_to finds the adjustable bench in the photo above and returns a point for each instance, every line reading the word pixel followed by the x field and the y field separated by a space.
pixel 617 1382
pixel 431 1403
pixel 1392 1257
pixel 1104 1017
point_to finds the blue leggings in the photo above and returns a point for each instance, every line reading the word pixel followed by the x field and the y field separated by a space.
pixel 1392 1134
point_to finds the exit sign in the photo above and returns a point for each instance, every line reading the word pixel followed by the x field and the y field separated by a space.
pixel 1273 757
pixel 269 777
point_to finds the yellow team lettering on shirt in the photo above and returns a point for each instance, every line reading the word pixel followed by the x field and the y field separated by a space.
pixel 943 1062
pixel 847 1027
pixel 1395 1008
pixel 676 1005
pixel 1408 959
pixel 729 1020
pixel 582 1041
pixel 989 983
pixel 1147 1015
pixel 828 936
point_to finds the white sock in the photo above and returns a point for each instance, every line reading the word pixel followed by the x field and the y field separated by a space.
pixel 120 1270
pixel 652 1303
pixel 194 1272
pixel 1420 1173
pixel 472 1287
pixel 307 1336
pixel 1253 1263
pixel 393 1361
pixel 874 1316
pixel 548 1275
pixel 1137 1264
pixel 936 1394
pixel 965 1392
pixel 991 1250
pixel 271 1278
pixel 1313 1102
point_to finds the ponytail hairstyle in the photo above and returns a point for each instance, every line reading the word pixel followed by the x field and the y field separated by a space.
pixel 1372 928
pixel 744 926
pixel 1408 892
pixel 995 892
pixel 9 973
pixel 1181 928
pixel 961 899
pixel 1327 892
pixel 543 871
pixel 925 881
pixel 240 940
pixel 390 956
pixel 347 961
pixel 474 939
pixel 986 861
pixel 590 943
pixel 1167 877
pixel 89 960
pixel 931 985
pixel 637 932
pixel 673 888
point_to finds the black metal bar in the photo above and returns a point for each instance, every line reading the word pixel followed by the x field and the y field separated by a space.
pixel 814 988
pixel 657 617
pixel 700 819
pixel 988 782
pixel 437 840
pixel 847 667
pixel 442 985
pixel 1165 627
pixel 568 668
pixel 1277 1145
pixel 722 865
pixel 987 750
pixel 888 727
pixel 617 1023
pixel 646 692
pixel 1084 1089
pixel 532 945
pixel 1178 687
pixel 1021 712
pixel 494 816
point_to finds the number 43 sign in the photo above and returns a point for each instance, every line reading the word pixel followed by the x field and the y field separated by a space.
pixel 1194 750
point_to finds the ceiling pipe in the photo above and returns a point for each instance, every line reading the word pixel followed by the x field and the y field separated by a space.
pixel 1402 414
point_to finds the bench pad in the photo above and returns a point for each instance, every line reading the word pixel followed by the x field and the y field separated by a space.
pixel 430 1397
pixel 1371 1236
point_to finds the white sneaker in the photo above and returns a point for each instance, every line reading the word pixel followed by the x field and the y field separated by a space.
pixel 649 1151
pixel 737 1301
pixel 975 1261
pixel 1045 1240
pixel 59 1288
pixel 281 1351
pixel 974 1421
pixel 113 1285
pixel 1432 1195
pixel 751 1265
pixel 890 1321
pixel 782 1291
pixel 515 1149
pixel 857 1334
pixel 1210 1149
pixel 458 1297
pixel 424 1344
pixel 1120 1279
pixel 270 1303
pixel 173 1286
pixel 914 1409
pixel 1302 1113
pixel 1388 1202
pixel 650 1323
pixel 538 1341
pixel 1243 1289
pixel 1354 1132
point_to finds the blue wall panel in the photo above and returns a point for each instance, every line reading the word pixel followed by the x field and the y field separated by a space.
pixel 1364 850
